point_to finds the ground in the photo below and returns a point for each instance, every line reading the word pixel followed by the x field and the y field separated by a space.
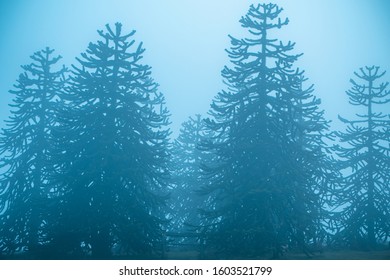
pixel 326 255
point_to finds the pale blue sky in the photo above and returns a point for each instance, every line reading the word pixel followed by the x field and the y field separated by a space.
pixel 185 42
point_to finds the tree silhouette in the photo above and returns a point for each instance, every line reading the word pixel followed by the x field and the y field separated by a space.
pixel 270 132
pixel 187 159
pixel 112 151
pixel 364 155
pixel 25 145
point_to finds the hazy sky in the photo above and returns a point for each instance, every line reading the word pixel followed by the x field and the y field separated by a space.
pixel 185 42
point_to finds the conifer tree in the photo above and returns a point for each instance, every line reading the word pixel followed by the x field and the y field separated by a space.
pixel 363 219
pixel 112 150
pixel 187 179
pixel 25 146
pixel 269 140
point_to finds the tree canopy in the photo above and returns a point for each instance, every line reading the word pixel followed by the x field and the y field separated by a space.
pixel 25 146
pixel 271 149
pixel 363 217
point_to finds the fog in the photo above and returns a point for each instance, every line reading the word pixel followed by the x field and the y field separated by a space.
pixel 194 129
pixel 185 43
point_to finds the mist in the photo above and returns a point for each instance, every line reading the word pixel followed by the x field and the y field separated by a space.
pixel 185 43
pixel 189 155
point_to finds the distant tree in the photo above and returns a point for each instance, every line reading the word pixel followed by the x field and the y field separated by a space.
pixel 364 193
pixel 187 179
pixel 269 140
pixel 112 153
pixel 25 146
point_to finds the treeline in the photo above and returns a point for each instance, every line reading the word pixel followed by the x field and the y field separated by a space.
pixel 88 169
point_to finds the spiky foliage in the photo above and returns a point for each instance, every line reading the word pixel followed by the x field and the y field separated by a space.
pixel 363 198
pixel 187 179
pixel 25 145
pixel 112 150
pixel 270 144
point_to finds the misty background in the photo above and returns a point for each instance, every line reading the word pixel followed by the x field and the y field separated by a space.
pixel 185 43
pixel 262 177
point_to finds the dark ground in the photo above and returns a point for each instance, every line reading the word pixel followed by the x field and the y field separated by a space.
pixel 326 255
pixel 177 254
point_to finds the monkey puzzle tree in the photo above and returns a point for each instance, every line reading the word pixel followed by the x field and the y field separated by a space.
pixel 269 140
pixel 364 192
pixel 25 145
pixel 112 150
pixel 187 179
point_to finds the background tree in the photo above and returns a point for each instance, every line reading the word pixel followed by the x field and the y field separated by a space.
pixel 187 178
pixel 25 145
pixel 269 139
pixel 112 151
pixel 364 193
